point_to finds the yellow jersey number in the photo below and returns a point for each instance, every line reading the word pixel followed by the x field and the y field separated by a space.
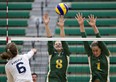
pixel 98 66
pixel 59 64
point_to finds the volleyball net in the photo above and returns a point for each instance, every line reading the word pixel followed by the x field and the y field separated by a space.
pixel 78 69
pixel 56 39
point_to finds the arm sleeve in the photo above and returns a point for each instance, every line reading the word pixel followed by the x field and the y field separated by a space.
pixel 103 45
pixel 9 76
pixel 29 54
pixel 65 48
pixel 86 44
pixel 50 47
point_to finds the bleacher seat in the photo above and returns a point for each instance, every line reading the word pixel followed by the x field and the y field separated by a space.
pixel 93 5
pixel 15 32
pixel 97 13
pixel 81 42
pixel 14 23
pixel 99 22
pixel 89 31
pixel 16 42
pixel 16 6
pixel 80 49
pixel 2 69
pixel 84 59
pixel 15 14
pixel 3 79
pixel 84 69
pixel 3 61
pixel 86 78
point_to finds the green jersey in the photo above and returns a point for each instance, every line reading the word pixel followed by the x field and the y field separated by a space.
pixel 58 63
pixel 99 66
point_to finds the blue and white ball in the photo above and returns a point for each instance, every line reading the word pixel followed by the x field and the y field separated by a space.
pixel 61 9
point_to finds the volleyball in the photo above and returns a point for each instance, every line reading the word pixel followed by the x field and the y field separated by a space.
pixel 61 9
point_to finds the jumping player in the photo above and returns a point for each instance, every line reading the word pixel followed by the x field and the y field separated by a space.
pixel 58 54
pixel 98 53
pixel 17 68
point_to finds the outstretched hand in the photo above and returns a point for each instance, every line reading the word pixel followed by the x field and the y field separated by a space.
pixel 79 17
pixel 46 18
pixel 92 20
pixel 92 23
pixel 34 50
pixel 61 22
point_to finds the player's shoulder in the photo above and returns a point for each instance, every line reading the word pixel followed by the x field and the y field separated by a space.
pixel 22 56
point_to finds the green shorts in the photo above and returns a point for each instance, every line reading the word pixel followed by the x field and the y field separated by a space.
pixel 99 76
pixel 53 80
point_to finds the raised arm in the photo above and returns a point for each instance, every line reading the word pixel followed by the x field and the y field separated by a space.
pixel 80 20
pixel 46 20
pixel 61 26
pixel 92 23
pixel 62 34
pixel 30 53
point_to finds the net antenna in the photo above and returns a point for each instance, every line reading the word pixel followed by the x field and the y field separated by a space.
pixel 8 40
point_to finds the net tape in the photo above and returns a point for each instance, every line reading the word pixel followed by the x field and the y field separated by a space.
pixel 56 39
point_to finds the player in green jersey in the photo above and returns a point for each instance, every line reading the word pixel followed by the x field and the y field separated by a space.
pixel 98 53
pixel 58 54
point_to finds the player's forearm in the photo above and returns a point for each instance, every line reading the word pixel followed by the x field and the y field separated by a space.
pixel 29 54
pixel 95 29
pixel 82 28
pixel 50 47
pixel 62 32
pixel 48 32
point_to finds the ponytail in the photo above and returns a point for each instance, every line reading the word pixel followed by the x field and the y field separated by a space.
pixel 4 55
pixel 11 51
